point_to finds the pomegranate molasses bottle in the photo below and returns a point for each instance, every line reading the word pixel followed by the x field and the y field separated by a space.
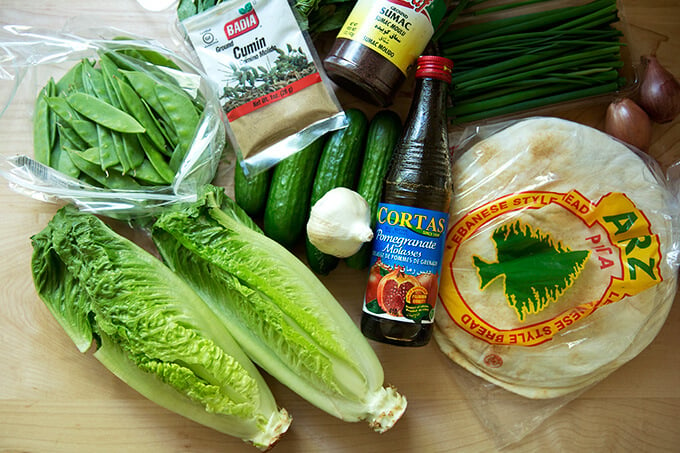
pixel 378 44
pixel 412 218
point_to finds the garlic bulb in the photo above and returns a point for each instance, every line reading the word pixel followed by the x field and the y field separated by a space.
pixel 340 222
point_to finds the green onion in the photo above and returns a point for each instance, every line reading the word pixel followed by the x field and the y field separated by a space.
pixel 529 40
pixel 494 9
pixel 541 64
pixel 511 64
pixel 535 103
pixel 515 24
pixel 449 19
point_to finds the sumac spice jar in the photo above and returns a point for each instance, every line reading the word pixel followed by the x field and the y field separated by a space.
pixel 379 43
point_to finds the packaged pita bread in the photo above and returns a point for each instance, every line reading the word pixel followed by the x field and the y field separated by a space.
pixel 561 259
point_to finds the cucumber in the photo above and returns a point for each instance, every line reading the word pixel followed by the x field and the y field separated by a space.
pixel 287 208
pixel 339 166
pixel 250 193
pixel 383 133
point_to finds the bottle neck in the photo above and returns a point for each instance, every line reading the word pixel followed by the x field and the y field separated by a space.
pixel 426 119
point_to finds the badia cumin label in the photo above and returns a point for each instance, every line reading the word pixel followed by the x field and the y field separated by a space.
pixel 269 79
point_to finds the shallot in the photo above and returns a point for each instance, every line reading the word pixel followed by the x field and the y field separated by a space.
pixel 659 91
pixel 628 122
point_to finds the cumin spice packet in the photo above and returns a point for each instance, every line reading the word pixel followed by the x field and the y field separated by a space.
pixel 270 80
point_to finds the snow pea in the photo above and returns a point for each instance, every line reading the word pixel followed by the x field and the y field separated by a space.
pixel 108 155
pixel 104 113
pixel 147 55
pixel 52 90
pixel 91 155
pixel 73 79
pixel 61 107
pixel 61 161
pixel 133 149
pixel 169 131
pixel 84 128
pixel 111 76
pixel 132 60
pixel 135 106
pixel 121 152
pixel 181 113
pixel 114 127
pixel 105 142
pixel 156 159
pixel 168 134
pixel 176 158
pixel 44 125
pixel 144 85
pixel 70 136
pixel 87 130
pixel 147 174
pixel 176 113
pixel 93 83
pixel 109 178
pixel 129 153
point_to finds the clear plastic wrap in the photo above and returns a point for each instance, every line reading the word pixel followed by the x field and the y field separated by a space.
pixel 561 265
pixel 29 57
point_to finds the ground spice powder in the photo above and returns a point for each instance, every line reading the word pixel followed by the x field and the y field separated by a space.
pixel 274 122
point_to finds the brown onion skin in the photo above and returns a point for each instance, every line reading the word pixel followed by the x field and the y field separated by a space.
pixel 628 122
pixel 659 91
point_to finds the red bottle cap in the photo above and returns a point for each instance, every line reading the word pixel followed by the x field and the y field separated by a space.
pixel 435 67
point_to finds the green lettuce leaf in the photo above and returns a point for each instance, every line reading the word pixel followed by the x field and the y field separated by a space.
pixel 154 331
pixel 282 315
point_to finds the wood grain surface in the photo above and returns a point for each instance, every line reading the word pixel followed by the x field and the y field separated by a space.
pixel 54 399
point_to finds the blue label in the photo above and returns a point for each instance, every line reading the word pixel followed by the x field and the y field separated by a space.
pixel 407 253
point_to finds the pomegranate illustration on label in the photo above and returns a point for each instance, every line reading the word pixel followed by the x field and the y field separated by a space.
pixel 392 291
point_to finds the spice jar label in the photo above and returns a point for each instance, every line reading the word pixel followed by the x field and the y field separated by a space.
pixel 408 249
pixel 399 30
pixel 267 75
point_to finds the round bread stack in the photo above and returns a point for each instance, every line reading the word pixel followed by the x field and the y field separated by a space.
pixel 561 258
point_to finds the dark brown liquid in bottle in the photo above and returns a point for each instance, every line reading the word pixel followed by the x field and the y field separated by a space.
pixel 419 176
pixel 363 72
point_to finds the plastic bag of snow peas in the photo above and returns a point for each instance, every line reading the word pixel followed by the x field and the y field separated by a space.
pixel 120 127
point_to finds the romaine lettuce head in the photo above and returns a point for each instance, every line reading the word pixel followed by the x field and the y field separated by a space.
pixel 282 315
pixel 152 330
